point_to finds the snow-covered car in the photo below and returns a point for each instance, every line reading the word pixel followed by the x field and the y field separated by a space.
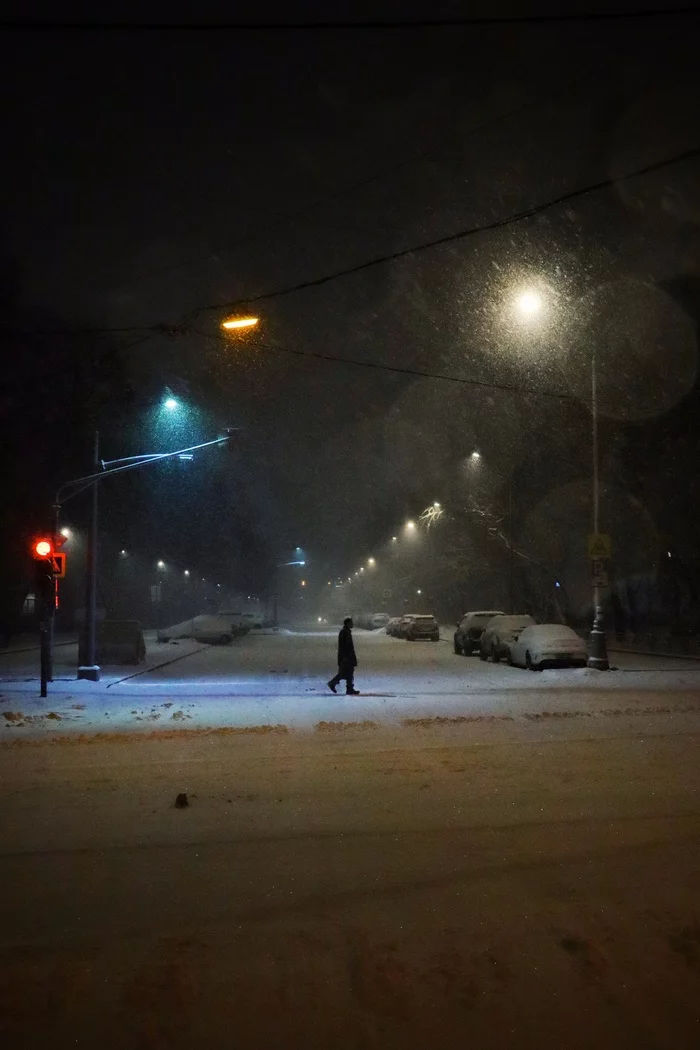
pixel 500 633
pixel 392 625
pixel 208 627
pixel 422 627
pixel 402 625
pixel 548 645
pixel 470 629
pixel 379 620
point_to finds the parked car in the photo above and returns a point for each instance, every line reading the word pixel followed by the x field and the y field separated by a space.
pixel 392 625
pixel 422 627
pixel 402 625
pixel 470 629
pixel 379 620
pixel 500 633
pixel 208 627
pixel 548 645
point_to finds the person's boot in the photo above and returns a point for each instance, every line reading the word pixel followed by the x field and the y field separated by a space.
pixel 331 686
pixel 352 692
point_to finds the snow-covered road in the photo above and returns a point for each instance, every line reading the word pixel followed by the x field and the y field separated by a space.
pixel 279 679
pixel 508 882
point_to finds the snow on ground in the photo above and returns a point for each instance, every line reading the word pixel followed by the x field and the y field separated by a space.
pixel 519 884
pixel 278 678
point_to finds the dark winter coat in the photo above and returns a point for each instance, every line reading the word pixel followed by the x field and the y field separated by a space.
pixel 346 649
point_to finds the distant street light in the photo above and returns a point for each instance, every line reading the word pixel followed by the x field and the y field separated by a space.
pixel 123 553
pixel 475 455
pixel 170 403
pixel 410 525
pixel 371 562
pixel 419 591
pixel 240 322
pixel 187 572
pixel 394 539
pixel 66 532
pixel 161 564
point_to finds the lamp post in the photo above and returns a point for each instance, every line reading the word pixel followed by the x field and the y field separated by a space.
pixel 88 668
pixel 598 656
pixel 529 303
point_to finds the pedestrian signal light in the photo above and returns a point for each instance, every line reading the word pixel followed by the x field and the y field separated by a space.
pixel 42 548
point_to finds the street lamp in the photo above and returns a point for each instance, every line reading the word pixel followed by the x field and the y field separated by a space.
pixel 161 564
pixel 410 526
pixel 240 322
pixel 170 403
pixel 66 532
pixel 371 562
pixel 530 303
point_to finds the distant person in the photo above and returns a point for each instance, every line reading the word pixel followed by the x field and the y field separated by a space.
pixel 347 661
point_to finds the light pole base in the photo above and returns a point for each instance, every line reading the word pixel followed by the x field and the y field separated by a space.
pixel 89 673
pixel 598 651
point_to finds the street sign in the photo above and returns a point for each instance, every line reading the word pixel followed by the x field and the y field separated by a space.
pixel 599 546
pixel 58 564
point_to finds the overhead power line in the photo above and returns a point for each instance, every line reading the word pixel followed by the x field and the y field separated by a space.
pixel 638 14
pixel 419 373
pixel 367 180
pixel 471 231
pixel 185 327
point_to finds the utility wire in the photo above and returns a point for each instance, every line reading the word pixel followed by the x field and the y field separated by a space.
pixel 637 14
pixel 282 220
pixel 186 327
pixel 395 369
pixel 451 238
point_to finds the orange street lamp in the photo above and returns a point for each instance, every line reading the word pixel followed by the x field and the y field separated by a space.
pixel 240 322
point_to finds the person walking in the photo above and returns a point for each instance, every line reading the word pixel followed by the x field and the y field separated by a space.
pixel 347 661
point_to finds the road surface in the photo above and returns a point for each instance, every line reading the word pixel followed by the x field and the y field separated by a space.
pixel 487 857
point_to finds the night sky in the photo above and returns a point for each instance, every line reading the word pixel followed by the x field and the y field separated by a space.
pixel 147 175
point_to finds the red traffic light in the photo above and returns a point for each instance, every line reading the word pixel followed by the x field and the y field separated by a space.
pixel 42 548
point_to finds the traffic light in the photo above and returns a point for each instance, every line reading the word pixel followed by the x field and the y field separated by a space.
pixel 42 548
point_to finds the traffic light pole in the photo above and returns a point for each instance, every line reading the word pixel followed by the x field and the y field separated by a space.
pixel 89 669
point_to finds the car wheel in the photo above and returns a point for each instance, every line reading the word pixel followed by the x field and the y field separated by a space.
pixel 483 655
pixel 495 654
pixel 225 639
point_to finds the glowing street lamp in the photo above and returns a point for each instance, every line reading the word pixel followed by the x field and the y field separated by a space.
pixel 529 303
pixel 475 456
pixel 371 562
pixel 240 322
pixel 66 532
pixel 410 526
pixel 186 572
pixel 170 403
pixel 161 564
